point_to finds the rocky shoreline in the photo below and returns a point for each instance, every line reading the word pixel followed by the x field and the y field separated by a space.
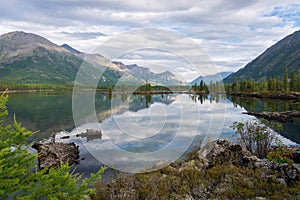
pixel 284 116
pixel 219 170
pixel 273 95
pixel 224 151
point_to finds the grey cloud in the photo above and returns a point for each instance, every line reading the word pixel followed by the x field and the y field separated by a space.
pixel 83 35
pixel 225 28
pixel 129 5
pixel 137 14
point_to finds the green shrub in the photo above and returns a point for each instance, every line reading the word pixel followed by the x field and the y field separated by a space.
pixel 255 135
pixel 280 155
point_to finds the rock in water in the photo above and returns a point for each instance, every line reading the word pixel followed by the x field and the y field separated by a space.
pixel 52 153
pixel 91 134
pixel 284 116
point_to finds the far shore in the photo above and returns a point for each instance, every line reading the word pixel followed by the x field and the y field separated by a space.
pixel 273 95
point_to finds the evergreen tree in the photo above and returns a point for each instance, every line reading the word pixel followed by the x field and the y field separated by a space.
pixel 293 81
pixel 242 84
pixel 235 85
pixel 148 87
pixel 263 85
pixel 195 87
pixel 286 86
pixel 217 86
pixel 250 84
pixel 277 83
pixel 201 86
pixel 298 80
pixel 19 176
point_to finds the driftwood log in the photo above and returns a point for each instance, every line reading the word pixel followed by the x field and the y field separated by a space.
pixel 284 116
pixel 51 154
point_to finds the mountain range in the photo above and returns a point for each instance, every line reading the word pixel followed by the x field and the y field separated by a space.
pixel 165 78
pixel 29 58
pixel 214 78
pixel 273 62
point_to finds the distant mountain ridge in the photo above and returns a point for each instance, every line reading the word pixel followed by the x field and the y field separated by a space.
pixel 272 62
pixel 214 78
pixel 29 58
pixel 142 74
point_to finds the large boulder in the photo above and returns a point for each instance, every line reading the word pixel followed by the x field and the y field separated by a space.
pixel 51 154
pixel 224 151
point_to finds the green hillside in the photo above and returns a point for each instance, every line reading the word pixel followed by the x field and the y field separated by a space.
pixel 30 59
pixel 27 58
pixel 42 66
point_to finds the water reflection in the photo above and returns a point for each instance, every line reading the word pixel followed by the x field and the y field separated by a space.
pixel 290 129
pixel 143 131
pixel 212 98
pixel 190 119
pixel 53 113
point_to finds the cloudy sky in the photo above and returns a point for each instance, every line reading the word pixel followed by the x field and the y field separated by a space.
pixel 231 32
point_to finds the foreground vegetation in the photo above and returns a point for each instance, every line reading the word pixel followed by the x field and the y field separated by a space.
pixel 19 176
pixel 229 172
pixel 221 181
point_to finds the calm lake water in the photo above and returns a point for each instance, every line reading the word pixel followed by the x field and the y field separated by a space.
pixel 141 132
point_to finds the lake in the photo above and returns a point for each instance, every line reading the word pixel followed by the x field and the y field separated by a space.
pixel 140 132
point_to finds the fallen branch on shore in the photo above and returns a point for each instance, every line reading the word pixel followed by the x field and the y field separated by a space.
pixel 284 116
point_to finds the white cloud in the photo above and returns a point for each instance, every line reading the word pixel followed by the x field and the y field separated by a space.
pixel 231 32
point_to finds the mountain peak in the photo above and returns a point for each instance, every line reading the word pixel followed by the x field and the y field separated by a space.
pixel 167 73
pixel 20 38
pixel 21 43
pixel 273 61
pixel 214 78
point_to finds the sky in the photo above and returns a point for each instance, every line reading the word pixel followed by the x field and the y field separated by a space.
pixel 230 32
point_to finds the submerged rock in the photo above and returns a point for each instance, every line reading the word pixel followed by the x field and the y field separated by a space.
pixel 52 153
pixel 91 134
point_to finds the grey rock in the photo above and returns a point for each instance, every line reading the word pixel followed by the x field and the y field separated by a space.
pixel 52 153
pixel 224 151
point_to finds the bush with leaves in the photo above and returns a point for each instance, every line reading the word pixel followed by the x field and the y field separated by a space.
pixel 19 176
pixel 279 153
pixel 256 137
